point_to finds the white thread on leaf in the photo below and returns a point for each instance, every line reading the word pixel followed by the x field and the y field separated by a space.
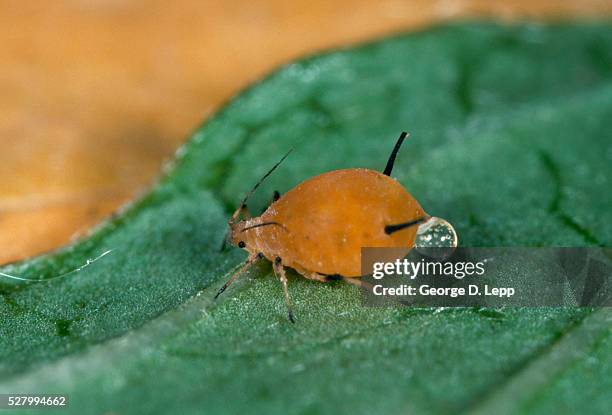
pixel 87 263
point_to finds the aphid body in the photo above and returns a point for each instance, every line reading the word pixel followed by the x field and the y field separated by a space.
pixel 324 221
pixel 319 227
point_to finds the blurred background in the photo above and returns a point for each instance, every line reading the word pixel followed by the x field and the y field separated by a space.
pixel 96 94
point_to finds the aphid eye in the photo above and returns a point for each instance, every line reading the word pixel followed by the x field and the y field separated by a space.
pixel 241 244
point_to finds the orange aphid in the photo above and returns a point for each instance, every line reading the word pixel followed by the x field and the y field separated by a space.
pixel 319 227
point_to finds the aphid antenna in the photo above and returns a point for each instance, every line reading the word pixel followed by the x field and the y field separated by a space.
pixel 263 224
pixel 265 176
pixel 391 161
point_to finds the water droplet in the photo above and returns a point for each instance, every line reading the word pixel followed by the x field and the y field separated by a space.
pixel 436 238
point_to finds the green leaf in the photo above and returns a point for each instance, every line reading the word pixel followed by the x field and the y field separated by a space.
pixel 510 142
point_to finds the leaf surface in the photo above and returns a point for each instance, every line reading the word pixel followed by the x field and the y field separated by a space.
pixel 510 142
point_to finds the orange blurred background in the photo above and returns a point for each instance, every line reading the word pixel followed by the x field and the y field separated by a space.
pixel 95 94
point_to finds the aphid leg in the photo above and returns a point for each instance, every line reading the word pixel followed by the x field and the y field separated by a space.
pixel 275 196
pixel 336 277
pixel 242 211
pixel 315 276
pixel 279 270
pixel 249 262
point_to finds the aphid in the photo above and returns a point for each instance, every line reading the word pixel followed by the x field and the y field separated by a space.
pixel 319 227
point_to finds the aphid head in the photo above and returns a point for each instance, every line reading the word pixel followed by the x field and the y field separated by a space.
pixel 239 220
pixel 235 236
pixel 243 234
